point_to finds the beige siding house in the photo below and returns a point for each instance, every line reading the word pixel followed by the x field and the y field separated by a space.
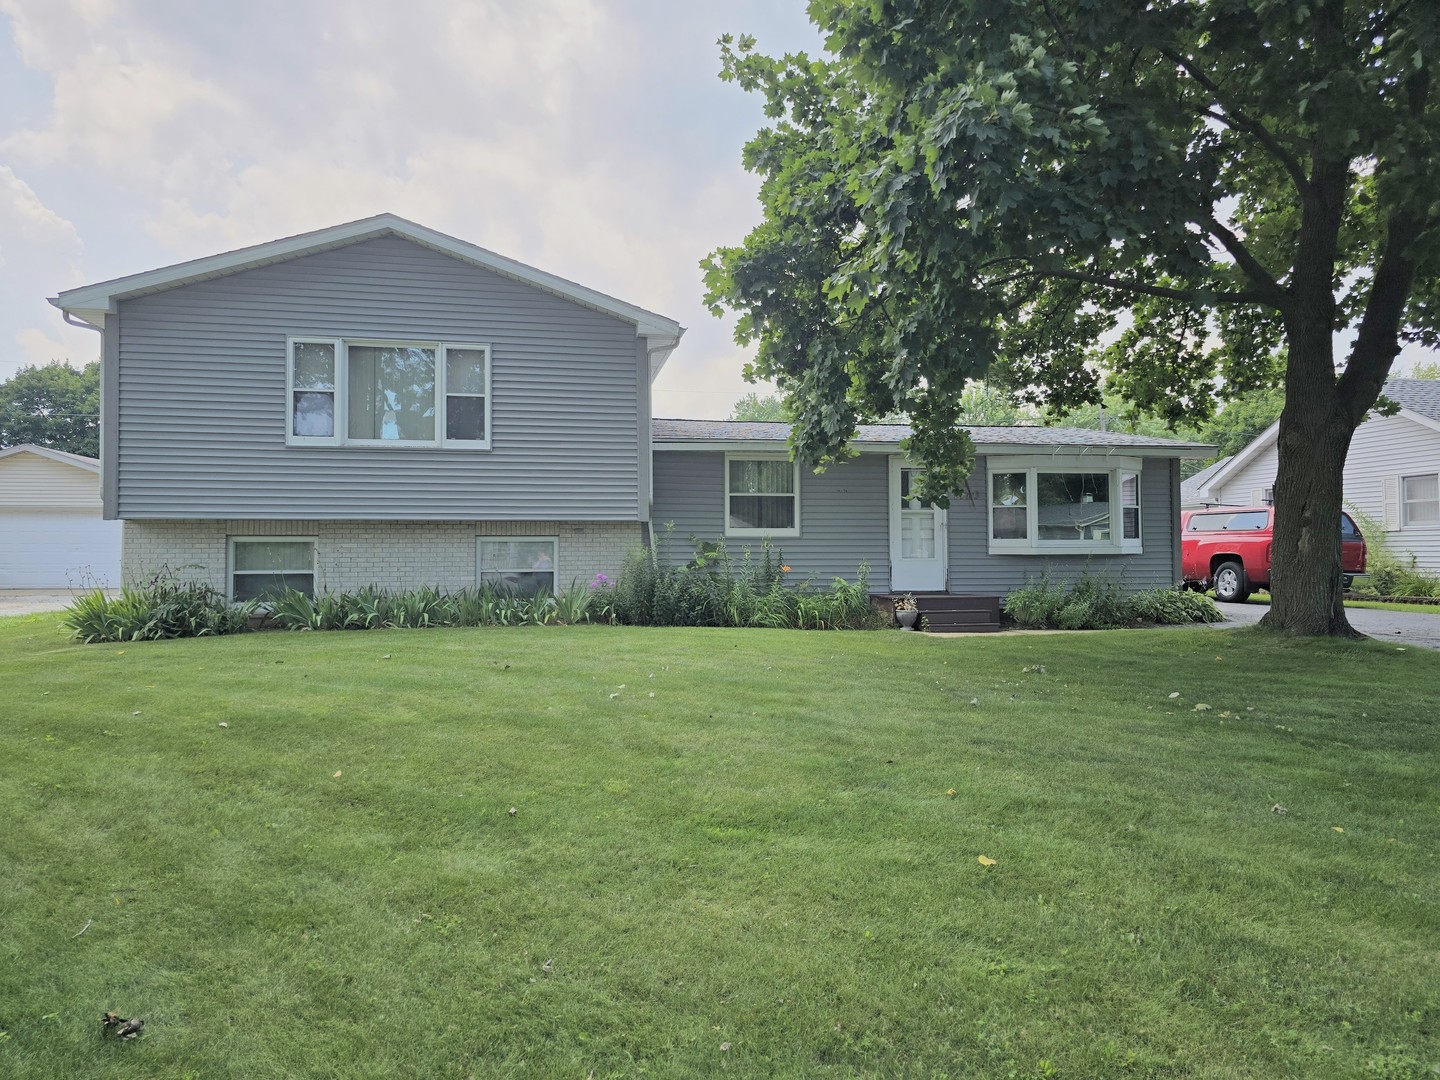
pixel 52 535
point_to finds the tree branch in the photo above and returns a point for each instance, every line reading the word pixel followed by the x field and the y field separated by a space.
pixel 1238 120
pixel 1247 262
pixel 1197 297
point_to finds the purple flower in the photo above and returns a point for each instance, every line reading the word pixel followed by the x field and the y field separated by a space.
pixel 600 581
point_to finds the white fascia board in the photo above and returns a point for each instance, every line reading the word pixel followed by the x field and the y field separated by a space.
pixel 90 301
pixel 1419 418
pixel 1180 450
pixel 64 457
pixel 1247 453
pixel 1028 450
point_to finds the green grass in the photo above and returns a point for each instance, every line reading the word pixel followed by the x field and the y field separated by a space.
pixel 762 855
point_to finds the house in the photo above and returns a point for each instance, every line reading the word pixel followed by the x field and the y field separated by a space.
pixel 1392 472
pixel 52 535
pixel 380 404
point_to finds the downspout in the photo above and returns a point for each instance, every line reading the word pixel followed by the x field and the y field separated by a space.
pixel 657 350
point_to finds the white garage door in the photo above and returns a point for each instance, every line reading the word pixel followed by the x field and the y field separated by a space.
pixel 55 549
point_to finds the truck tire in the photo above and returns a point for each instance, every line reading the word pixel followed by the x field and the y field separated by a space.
pixel 1230 584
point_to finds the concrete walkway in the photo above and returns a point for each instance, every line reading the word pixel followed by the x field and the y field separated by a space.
pixel 32 601
pixel 1402 627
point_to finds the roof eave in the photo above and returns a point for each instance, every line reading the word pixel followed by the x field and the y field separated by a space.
pixel 99 299
pixel 1182 450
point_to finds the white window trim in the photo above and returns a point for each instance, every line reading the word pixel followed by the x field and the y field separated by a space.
pixel 291 439
pixel 480 570
pixel 1405 522
pixel 342 393
pixel 230 570
pixel 740 456
pixel 1030 465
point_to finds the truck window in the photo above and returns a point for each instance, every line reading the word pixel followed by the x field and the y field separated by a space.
pixel 1229 522
pixel 1254 519
pixel 1348 529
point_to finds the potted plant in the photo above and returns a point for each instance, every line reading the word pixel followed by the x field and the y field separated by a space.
pixel 907 612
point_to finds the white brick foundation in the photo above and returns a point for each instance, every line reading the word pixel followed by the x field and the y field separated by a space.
pixel 388 554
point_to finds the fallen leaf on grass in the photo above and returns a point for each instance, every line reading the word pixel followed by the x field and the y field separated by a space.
pixel 985 860
pixel 952 793
pixel 1202 707
pixel 337 772
pixel 1278 809
pixel 1174 694
pixel 1336 828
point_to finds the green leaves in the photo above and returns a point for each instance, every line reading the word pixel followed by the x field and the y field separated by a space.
pixel 1048 190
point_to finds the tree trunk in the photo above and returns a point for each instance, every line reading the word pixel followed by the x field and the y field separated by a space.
pixel 1307 591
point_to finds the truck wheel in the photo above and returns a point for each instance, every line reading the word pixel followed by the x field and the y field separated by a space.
pixel 1230 585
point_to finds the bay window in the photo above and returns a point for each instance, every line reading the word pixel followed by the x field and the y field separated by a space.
pixel 388 393
pixel 1060 504
pixel 762 495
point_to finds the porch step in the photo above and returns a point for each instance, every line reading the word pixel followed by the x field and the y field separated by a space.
pixel 945 613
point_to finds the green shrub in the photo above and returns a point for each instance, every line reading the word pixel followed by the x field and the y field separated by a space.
pixel 161 609
pixel 1390 572
pixel 1174 607
pixel 715 588
pixel 1095 602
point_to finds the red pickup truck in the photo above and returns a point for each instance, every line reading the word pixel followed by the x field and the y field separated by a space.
pixel 1229 548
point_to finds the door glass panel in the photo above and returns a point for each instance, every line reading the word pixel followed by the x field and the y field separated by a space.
pixel 908 478
pixel 917 534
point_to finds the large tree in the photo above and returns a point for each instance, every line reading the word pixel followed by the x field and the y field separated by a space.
pixel 52 405
pixel 1197 195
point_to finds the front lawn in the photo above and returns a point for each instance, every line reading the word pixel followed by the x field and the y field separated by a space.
pixel 749 853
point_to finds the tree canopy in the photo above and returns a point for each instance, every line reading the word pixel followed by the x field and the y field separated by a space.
pixel 1196 196
pixel 52 405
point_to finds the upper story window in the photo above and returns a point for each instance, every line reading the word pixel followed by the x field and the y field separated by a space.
pixel 388 393
pixel 762 495
pixel 1064 505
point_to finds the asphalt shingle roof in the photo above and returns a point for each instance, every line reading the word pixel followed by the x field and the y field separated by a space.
pixel 1190 489
pixel 1418 395
pixel 758 431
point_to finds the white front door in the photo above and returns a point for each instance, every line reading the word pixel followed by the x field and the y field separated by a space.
pixel 917 535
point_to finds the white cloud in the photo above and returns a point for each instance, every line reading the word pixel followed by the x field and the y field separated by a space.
pixel 582 136
pixel 40 253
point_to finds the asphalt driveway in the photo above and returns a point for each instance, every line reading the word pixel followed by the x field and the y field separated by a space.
pixel 1405 627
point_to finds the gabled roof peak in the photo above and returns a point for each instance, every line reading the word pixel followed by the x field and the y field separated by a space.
pixel 91 303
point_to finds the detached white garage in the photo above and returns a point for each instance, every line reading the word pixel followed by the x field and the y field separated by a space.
pixel 51 533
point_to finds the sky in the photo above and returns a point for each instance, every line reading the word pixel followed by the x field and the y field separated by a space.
pixel 590 138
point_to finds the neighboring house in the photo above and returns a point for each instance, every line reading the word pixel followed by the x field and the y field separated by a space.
pixel 1392 472
pixel 1193 490
pixel 381 404
pixel 52 535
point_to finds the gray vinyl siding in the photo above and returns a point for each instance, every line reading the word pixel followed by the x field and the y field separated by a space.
pixel 843 515
pixel 201 376
pixel 844 519
pixel 973 570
